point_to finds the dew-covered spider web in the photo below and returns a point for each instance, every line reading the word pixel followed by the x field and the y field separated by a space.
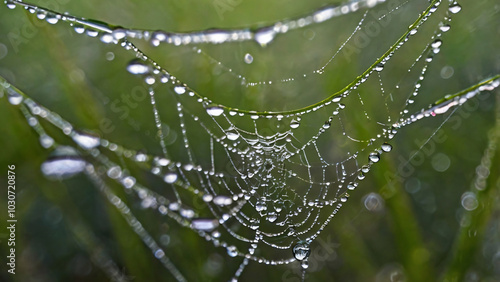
pixel 254 155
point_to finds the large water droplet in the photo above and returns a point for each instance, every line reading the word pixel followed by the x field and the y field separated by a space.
pixel 52 19
pixel 374 157
pixel 14 97
pixel 204 224
pixel 222 201
pixel 232 251
pixel 248 58
pixel 437 43
pixel 264 36
pixel 445 27
pixel 114 172
pixel 180 89
pixel 301 251
pixel 379 67
pixel 294 123
pixel 46 141
pixel 137 66
pixel 170 177
pixel 63 162
pixel 386 147
pixel 11 5
pixel 469 201
pixel 232 135
pixel 215 111
pixel 86 141
pixel 455 8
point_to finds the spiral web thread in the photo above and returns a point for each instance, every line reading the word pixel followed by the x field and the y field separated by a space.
pixel 267 184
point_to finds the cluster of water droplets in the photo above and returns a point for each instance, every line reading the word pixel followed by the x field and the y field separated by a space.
pixel 263 183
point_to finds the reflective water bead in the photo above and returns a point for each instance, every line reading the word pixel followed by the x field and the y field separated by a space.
pixel 374 157
pixel 170 177
pixel 114 172
pixel 248 58
pixel 264 36
pixel 379 67
pixel 137 66
pixel 204 224
pixel 232 251
pixel 445 27
pixel 214 111
pixel 386 147
pixel 86 141
pixel 11 5
pixel 437 43
pixel 14 97
pixel 180 89
pixel 301 251
pixel 63 163
pixel 294 123
pixel 222 201
pixel 455 8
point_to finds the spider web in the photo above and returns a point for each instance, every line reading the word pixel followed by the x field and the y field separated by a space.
pixel 260 183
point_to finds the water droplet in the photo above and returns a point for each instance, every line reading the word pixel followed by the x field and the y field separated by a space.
pixel 114 172
pixel 14 97
pixel 386 147
pixel 79 29
pixel 379 67
pixel 180 90
pixel 231 135
pixel 232 251
pixel 222 201
pixel 41 14
pixel 52 19
pixel 214 111
pixel 11 5
pixel 294 123
pixel 374 157
pixel 63 162
pixel 437 43
pixel 455 8
pixel 373 202
pixel 137 66
pixel 260 206
pixel 204 224
pixel 271 217
pixel 159 253
pixel 264 36
pixel 86 141
pixel 304 264
pixel 365 169
pixel 445 27
pixel 128 182
pixel 150 80
pixel 327 125
pixel 187 213
pixel 46 141
pixel 469 201
pixel 248 58
pixel 170 177
pixel 301 251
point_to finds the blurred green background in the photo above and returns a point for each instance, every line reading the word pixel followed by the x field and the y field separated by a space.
pixel 64 228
